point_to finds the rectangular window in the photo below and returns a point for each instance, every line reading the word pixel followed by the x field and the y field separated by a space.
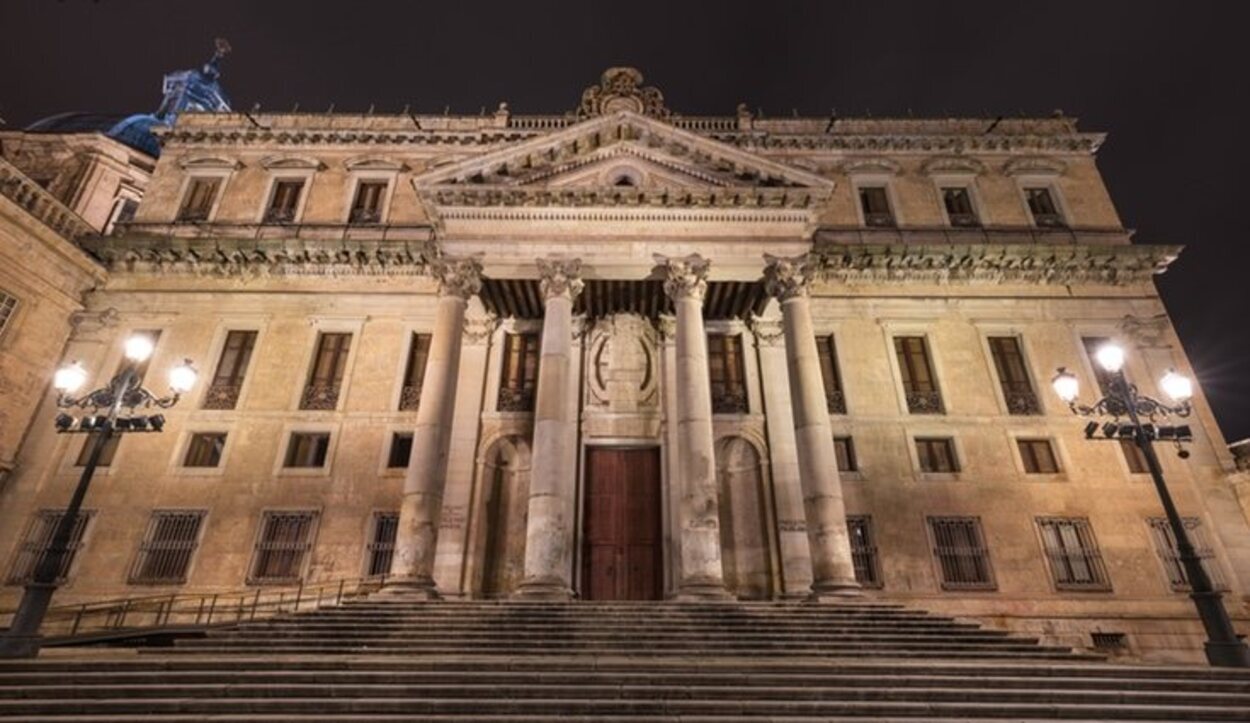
pixel 864 551
pixel 875 203
pixel 204 449
pixel 1101 376
pixel 1013 375
pixel 325 379
pixel 1169 554
pixel 1042 207
pixel 520 373
pixel 167 547
pixel 307 449
pixel 1134 457
pixel 232 365
pixel 284 202
pixel 1072 552
pixel 835 398
pixel 282 547
pixel 919 382
pixel 197 204
pixel 726 373
pixel 844 449
pixel 38 543
pixel 401 450
pixel 1038 456
pixel 414 371
pixel 959 208
pixel 367 203
pixel 106 455
pixel 936 454
pixel 381 548
pixel 962 558
pixel 8 306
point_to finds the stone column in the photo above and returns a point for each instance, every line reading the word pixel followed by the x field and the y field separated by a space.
pixel 553 473
pixel 420 512
pixel 702 575
pixel 833 573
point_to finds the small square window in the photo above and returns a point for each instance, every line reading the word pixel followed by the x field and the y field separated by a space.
pixel 284 203
pixel 1038 456
pixel 875 203
pixel 401 450
pixel 204 449
pixel 844 449
pixel 936 454
pixel 1042 206
pixel 307 449
pixel 959 210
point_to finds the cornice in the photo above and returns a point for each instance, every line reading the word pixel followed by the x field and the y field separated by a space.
pixel 484 196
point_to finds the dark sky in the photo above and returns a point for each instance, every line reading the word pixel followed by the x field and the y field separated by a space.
pixel 1166 80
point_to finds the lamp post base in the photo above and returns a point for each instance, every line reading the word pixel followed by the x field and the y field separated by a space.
pixel 20 646
pixel 1228 655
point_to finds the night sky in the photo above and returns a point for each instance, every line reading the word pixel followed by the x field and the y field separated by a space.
pixel 1166 81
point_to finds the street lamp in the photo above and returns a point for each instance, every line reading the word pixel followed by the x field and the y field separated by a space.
pixel 1147 421
pixel 104 418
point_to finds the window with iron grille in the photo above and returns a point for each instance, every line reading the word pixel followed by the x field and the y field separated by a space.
pixel 1042 206
pixel 875 203
pixel 1101 376
pixel 520 373
pixel 325 379
pixel 936 454
pixel 1072 553
pixel 236 355
pixel 414 371
pixel 401 450
pixel 367 203
pixel 1169 553
pixel 284 202
pixel 381 548
pixel 1013 376
pixel 307 449
pixel 37 544
pixel 962 558
pixel 1038 456
pixel 8 307
pixel 106 454
pixel 1134 457
pixel 204 449
pixel 959 210
pixel 827 350
pixel 919 381
pixel 197 204
pixel 844 451
pixel 726 373
pixel 167 547
pixel 282 546
pixel 864 551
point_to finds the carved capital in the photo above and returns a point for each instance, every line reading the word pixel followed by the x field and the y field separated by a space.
pixel 477 329
pixel 685 277
pixel 560 277
pixel 786 278
pixel 460 277
pixel 768 332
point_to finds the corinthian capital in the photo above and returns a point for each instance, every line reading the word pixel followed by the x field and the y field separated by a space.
pixel 786 278
pixel 685 277
pixel 560 277
pixel 459 277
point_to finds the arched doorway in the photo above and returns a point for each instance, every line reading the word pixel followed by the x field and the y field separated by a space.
pixel 746 546
pixel 505 476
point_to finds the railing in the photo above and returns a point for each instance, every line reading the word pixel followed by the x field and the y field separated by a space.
pixel 410 398
pixel 835 401
pixel 222 396
pixel 732 400
pixel 154 612
pixel 919 402
pixel 512 399
pixel 40 203
pixel 1021 400
pixel 320 396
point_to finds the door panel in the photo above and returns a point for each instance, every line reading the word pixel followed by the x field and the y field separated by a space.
pixel 622 559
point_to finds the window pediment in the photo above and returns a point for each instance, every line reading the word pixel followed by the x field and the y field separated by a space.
pixel 1034 166
pixel 304 163
pixel 871 166
pixel 374 163
pixel 210 163
pixel 952 165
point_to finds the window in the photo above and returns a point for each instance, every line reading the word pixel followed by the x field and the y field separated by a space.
pixel 106 455
pixel 1042 206
pixel 204 449
pixel 284 541
pixel 875 203
pixel 367 204
pixel 381 548
pixel 919 383
pixel 236 354
pixel 844 449
pixel 827 350
pixel 401 450
pixel 1101 376
pixel 1038 456
pixel 414 372
pixel 325 379
pixel 959 210
pixel 962 558
pixel 726 373
pixel 307 449
pixel 1072 553
pixel 1134 457
pixel 8 306
pixel 520 373
pixel 936 454
pixel 284 203
pixel 1013 376
pixel 197 204
pixel 1169 554
pixel 38 543
pixel 126 209
pixel 167 547
pixel 864 551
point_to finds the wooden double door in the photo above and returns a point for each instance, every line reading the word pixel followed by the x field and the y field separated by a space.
pixel 622 550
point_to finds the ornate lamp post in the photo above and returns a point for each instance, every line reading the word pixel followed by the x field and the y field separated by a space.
pixel 1147 421
pixel 105 419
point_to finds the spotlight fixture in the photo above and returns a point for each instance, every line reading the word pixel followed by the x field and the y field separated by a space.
pixel 157 421
pixel 1090 429
pixel 1110 429
pixel 64 422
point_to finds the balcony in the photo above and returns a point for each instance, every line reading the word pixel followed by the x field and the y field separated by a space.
pixel 925 402
pixel 410 398
pixel 1021 400
pixel 320 397
pixel 835 400
pixel 516 399
pixel 222 396
pixel 729 401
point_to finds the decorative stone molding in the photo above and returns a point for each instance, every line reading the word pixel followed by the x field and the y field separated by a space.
pixel 684 277
pixel 786 278
pixel 478 329
pixel 36 200
pixel 560 277
pixel 622 89
pixel 1147 332
pixel 1034 165
pixel 292 162
pixel 210 163
pixel 768 331
pixel 939 165
pixel 374 163
pixel 90 322
pixel 457 276
pixel 881 166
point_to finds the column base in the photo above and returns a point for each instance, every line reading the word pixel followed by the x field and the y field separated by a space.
pixel 543 591
pixel 20 646
pixel 1228 655
pixel 697 591
pixel 834 591
pixel 411 589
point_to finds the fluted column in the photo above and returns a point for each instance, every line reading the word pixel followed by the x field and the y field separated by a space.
pixel 702 574
pixel 417 538
pixel 833 573
pixel 553 472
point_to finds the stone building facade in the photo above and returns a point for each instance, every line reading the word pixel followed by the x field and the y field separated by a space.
pixel 624 353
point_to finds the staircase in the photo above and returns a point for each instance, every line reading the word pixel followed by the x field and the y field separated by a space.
pixel 391 659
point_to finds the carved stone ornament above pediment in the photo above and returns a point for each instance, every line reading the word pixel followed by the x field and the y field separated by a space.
pixel 622 89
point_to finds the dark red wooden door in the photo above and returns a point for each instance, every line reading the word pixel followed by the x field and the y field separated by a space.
pixel 622 526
